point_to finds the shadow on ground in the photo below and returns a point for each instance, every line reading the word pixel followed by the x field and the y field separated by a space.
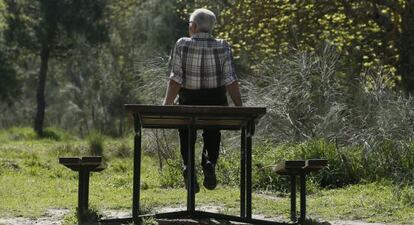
pixel 199 222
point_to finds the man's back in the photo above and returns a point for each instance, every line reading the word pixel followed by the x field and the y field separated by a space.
pixel 202 62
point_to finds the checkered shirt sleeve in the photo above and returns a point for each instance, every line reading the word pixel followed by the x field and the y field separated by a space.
pixel 229 72
pixel 176 64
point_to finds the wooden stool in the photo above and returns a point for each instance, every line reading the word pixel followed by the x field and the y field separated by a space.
pixel 300 168
pixel 84 166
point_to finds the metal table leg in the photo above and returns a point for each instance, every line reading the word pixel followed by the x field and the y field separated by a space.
pixel 191 170
pixel 250 132
pixel 243 173
pixel 302 197
pixel 293 197
pixel 137 170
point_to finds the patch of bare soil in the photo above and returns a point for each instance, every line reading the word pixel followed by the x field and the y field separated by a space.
pixel 51 217
pixel 354 222
pixel 55 217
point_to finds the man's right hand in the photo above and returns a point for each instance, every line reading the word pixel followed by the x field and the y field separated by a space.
pixel 172 91
pixel 234 92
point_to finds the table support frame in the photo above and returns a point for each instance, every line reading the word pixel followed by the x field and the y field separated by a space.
pixel 247 130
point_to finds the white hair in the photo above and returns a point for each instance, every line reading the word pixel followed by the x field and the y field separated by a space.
pixel 204 18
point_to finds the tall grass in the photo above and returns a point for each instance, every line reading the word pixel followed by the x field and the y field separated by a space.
pixel 309 97
pixel 96 143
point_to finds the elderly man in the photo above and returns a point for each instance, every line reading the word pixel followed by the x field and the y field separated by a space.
pixel 201 72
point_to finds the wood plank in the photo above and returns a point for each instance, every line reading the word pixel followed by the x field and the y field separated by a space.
pixel 91 160
pixel 313 165
pixel 164 121
pixel 319 163
pixel 70 160
pixel 91 163
pixel 290 167
pixel 178 110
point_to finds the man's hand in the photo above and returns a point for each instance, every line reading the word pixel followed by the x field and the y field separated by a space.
pixel 234 92
pixel 172 91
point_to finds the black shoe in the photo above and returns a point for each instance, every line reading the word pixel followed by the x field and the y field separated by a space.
pixel 210 181
pixel 197 187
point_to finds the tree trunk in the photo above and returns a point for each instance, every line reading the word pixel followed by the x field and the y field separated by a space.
pixel 40 95
pixel 406 48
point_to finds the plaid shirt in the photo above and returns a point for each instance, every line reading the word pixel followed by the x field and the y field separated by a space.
pixel 202 62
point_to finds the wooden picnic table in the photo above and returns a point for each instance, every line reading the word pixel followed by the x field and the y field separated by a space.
pixel 243 119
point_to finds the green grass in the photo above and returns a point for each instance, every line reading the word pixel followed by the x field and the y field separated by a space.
pixel 32 181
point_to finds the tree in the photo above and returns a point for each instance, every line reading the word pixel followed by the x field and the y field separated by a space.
pixel 9 83
pixel 140 30
pixel 50 28
pixel 368 32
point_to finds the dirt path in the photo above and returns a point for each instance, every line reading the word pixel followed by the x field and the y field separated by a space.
pixel 51 217
pixel 55 217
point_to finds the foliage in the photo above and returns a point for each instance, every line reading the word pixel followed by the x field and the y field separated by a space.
pixel 56 134
pixel 17 134
pixel 96 143
pixel 91 216
pixel 2 15
pixel 27 134
pixel 172 175
pixel 9 82
pixel 367 32
pixel 407 195
pixel 51 28
pixel 308 96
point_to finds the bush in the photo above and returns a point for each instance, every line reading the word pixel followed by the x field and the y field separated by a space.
pixel 171 175
pixel 407 196
pixel 96 143
pixel 28 134
pixel 310 95
pixel 56 134
pixel 392 161
pixel 17 134
pixel 121 149
pixel 344 164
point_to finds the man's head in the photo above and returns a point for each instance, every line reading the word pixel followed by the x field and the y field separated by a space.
pixel 202 20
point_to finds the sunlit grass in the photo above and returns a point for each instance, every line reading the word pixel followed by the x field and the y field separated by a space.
pixel 32 181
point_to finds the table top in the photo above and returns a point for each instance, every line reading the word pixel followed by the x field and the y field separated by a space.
pixel 177 116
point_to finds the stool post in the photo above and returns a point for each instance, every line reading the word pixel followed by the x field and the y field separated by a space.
pixel 243 173
pixel 83 193
pixel 137 169
pixel 293 197
pixel 302 197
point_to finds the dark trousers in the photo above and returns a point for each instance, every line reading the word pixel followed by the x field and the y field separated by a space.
pixel 211 135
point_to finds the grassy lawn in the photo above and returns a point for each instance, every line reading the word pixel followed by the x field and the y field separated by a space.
pixel 32 181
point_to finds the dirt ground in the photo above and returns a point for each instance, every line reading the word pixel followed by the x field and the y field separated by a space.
pixel 55 217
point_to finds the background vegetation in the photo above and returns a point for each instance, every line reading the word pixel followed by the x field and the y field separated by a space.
pixel 337 79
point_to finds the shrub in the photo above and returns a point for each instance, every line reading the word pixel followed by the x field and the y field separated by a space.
pixel 171 175
pixel 8 165
pixel 122 149
pixel 96 143
pixel 56 134
pixel 407 196
pixel 390 159
pixel 344 164
pixel 17 134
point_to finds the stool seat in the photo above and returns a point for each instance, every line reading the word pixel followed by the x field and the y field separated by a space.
pixel 294 169
pixel 90 163
pixel 84 166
